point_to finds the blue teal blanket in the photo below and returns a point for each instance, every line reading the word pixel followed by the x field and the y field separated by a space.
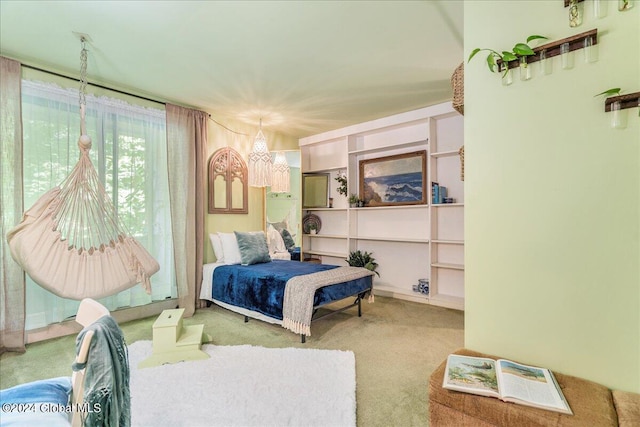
pixel 260 287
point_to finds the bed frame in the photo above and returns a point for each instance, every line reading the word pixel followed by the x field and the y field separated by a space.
pixel 357 302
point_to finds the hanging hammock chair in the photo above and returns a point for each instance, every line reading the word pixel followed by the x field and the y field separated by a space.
pixel 71 242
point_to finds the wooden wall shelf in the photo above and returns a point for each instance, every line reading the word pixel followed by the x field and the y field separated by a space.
pixel 626 101
pixel 553 48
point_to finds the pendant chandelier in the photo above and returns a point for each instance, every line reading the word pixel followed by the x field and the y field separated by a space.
pixel 280 174
pixel 260 162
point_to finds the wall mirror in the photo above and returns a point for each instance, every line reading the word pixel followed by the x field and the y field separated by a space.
pixel 315 190
pixel 227 182
pixel 283 209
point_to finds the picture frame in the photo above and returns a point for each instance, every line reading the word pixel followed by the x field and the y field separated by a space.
pixel 395 180
pixel 315 190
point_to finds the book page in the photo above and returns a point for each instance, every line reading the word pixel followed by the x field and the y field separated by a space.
pixel 528 384
pixel 475 375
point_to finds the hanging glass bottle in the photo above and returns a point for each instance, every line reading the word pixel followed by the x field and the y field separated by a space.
pixel 624 5
pixel 545 63
pixel 619 116
pixel 566 56
pixel 590 50
pixel 600 8
pixel 575 13
pixel 525 70
pixel 507 78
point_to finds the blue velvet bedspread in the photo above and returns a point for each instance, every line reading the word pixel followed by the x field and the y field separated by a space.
pixel 260 287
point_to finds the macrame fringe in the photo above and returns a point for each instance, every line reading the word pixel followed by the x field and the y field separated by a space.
pixel 296 327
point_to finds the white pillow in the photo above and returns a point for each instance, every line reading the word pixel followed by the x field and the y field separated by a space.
pixel 230 248
pixel 216 244
pixel 274 239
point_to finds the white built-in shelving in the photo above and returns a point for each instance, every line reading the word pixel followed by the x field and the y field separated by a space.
pixel 409 242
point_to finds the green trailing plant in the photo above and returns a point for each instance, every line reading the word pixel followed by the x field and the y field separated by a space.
pixel 519 50
pixel 342 183
pixel 353 199
pixel 363 259
pixel 609 92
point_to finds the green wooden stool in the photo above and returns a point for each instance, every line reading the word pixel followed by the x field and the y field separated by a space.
pixel 174 342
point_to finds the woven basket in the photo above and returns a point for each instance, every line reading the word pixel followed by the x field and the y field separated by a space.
pixel 461 154
pixel 457 83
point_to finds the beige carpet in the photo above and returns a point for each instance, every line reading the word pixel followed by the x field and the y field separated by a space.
pixel 397 344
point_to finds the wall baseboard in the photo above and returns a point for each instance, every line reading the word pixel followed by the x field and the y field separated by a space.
pixel 70 327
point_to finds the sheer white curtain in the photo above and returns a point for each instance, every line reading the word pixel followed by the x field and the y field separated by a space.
pixel 187 144
pixel 129 153
pixel 12 304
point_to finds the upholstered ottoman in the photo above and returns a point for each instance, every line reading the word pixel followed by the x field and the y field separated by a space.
pixel 591 403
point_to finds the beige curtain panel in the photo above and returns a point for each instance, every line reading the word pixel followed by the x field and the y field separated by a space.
pixel 186 153
pixel 12 295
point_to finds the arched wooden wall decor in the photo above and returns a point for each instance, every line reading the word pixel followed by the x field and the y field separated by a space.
pixel 228 179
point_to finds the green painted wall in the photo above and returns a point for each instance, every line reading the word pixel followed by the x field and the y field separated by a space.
pixel 255 220
pixel 552 197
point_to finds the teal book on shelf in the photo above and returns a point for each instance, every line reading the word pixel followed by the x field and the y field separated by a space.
pixel 434 192
pixel 442 193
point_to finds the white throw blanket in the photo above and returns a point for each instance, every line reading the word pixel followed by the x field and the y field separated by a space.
pixel 297 307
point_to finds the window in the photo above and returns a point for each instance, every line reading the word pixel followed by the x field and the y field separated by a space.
pixel 129 153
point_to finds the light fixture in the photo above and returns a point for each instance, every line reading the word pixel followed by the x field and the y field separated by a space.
pixel 281 174
pixel 260 162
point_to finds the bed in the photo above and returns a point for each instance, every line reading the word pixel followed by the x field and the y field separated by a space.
pixel 270 291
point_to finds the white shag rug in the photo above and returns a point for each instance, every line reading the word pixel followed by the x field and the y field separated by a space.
pixel 245 386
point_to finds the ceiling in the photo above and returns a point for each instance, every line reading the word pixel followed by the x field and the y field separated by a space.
pixel 305 67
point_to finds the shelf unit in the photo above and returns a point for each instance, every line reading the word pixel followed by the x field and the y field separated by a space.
pixel 409 242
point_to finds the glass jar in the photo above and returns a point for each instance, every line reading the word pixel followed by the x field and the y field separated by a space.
pixel 575 13
pixel 507 78
pixel 566 56
pixel 546 66
pixel 619 116
pixel 600 8
pixel 624 5
pixel 590 50
pixel 525 70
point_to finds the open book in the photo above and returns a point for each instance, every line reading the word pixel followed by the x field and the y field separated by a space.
pixel 506 380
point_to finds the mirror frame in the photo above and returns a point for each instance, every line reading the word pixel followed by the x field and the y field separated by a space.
pixel 228 163
pixel 306 177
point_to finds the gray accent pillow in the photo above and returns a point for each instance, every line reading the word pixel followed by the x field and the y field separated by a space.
pixel 253 248
pixel 288 240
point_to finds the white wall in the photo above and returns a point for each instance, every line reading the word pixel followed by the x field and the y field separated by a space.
pixel 552 198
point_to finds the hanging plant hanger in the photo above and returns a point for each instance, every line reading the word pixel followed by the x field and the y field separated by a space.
pixel 629 100
pixel 553 48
